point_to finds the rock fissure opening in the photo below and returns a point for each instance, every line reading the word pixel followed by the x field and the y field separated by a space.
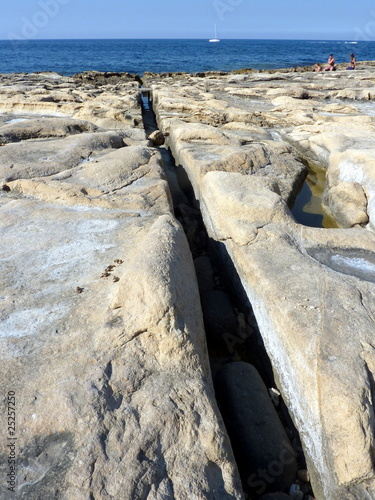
pixel 266 444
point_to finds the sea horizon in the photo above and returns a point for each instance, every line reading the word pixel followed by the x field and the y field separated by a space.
pixel 170 55
pixel 181 38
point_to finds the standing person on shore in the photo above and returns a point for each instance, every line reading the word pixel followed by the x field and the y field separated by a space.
pixel 331 64
pixel 352 62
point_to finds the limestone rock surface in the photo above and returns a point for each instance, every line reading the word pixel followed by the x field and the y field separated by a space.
pixel 37 128
pixel 348 202
pixel 101 333
pixel 311 289
pixel 56 96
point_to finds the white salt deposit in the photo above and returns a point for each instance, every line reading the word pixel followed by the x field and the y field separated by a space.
pixel 351 171
pixel 28 322
pixel 16 120
pixel 355 263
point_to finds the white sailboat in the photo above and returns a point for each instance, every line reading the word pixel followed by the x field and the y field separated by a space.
pixel 215 39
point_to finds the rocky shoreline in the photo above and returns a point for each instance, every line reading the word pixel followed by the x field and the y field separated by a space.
pixel 103 338
pixel 111 77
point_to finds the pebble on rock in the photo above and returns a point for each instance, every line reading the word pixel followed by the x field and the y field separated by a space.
pixel 157 138
pixel 303 475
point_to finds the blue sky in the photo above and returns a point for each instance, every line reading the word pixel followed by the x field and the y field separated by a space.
pixel 318 19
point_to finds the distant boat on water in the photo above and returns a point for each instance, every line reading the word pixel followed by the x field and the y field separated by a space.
pixel 215 39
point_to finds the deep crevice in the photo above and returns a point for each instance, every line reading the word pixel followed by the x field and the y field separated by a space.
pixel 237 338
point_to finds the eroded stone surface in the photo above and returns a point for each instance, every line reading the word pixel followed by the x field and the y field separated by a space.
pixel 102 341
pixel 101 333
pixel 295 105
pixel 311 289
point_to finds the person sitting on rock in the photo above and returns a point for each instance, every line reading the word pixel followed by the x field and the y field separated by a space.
pixel 318 67
pixel 331 64
pixel 352 62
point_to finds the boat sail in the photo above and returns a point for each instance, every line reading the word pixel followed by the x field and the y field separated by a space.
pixel 215 39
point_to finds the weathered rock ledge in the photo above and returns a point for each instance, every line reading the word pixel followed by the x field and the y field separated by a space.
pixel 101 335
pixel 312 290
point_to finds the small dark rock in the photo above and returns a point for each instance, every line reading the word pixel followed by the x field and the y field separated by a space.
pixel 304 476
pixel 157 138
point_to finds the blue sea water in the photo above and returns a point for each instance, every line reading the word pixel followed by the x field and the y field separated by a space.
pixel 137 56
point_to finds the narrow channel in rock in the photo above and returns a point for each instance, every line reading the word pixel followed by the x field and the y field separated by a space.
pixel 265 442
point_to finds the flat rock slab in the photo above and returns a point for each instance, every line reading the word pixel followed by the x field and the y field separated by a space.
pixel 28 159
pixel 101 333
pixel 105 102
pixel 37 128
